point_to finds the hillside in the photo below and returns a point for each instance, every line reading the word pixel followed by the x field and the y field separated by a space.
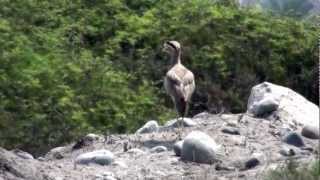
pixel 249 147
pixel 68 68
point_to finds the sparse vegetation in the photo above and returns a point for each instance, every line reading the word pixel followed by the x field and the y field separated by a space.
pixel 293 171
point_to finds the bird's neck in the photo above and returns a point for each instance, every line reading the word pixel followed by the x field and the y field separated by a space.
pixel 176 58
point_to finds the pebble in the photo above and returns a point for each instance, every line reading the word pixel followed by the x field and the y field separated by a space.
pixel 231 130
pixel 158 149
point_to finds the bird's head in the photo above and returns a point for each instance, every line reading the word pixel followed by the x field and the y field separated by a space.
pixel 171 47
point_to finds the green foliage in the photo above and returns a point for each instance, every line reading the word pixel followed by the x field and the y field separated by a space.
pixel 292 171
pixel 72 67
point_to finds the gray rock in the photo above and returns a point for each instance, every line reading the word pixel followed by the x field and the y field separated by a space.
pixel 158 149
pixel 120 164
pixel 199 147
pixel 102 157
pixel 92 137
pixel 187 122
pixel 264 107
pixel 177 147
pixel 311 132
pixel 251 163
pixel 287 151
pixel 22 154
pixel 203 115
pixel 294 139
pixel 292 107
pixel 86 141
pixel 56 153
pixel 135 151
pixel 231 130
pixel 149 127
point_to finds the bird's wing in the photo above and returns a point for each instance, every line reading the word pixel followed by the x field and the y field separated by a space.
pixel 188 85
pixel 181 85
pixel 173 84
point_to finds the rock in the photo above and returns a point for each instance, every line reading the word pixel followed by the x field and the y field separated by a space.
pixel 135 151
pixel 102 157
pixel 203 115
pixel 158 149
pixel 231 130
pixel 56 153
pixel 294 139
pixel 251 163
pixel 187 122
pixel 22 154
pixel 86 141
pixel 177 147
pixel 311 132
pixel 232 123
pixel 120 164
pixel 199 147
pixel 149 127
pixel 287 151
pixel 238 140
pixel 292 108
pixel 92 137
pixel 264 107
pixel 105 176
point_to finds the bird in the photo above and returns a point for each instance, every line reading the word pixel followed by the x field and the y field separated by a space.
pixel 179 81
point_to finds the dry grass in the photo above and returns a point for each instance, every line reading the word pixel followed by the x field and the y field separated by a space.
pixel 292 171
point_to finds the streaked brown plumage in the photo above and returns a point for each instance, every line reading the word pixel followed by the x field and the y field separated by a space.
pixel 179 81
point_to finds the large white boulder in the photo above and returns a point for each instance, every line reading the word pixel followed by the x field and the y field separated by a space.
pixel 270 100
pixel 199 147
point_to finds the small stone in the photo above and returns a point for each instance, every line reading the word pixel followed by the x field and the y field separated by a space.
pixel 41 158
pixel 102 157
pixel 120 164
pixel 231 130
pixel 187 122
pixel 287 151
pixel 177 147
pixel 294 139
pixel 158 149
pixel 135 151
pixel 251 163
pixel 105 174
pixel 311 132
pixel 238 140
pixel 149 127
pixel 199 147
pixel 232 123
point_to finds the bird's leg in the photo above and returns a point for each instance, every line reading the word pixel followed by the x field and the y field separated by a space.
pixel 180 128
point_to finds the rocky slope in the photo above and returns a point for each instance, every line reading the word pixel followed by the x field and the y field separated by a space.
pixel 224 146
